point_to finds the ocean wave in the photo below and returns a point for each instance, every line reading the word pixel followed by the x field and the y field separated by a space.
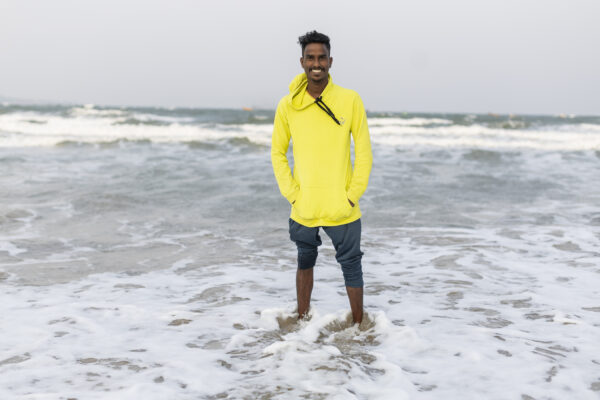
pixel 17 130
pixel 90 110
pixel 480 136
pixel 88 124
pixel 135 121
pixel 408 121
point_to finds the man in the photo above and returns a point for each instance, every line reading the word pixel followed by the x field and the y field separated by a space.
pixel 324 190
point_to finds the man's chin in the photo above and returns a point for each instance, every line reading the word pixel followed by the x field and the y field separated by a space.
pixel 317 78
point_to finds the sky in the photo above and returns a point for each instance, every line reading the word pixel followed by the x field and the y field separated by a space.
pixel 525 56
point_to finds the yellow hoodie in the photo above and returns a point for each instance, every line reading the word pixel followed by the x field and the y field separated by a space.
pixel 323 179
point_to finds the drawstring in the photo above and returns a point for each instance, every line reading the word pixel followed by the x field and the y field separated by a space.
pixel 323 106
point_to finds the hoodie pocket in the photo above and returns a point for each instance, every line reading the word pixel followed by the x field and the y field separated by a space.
pixel 322 203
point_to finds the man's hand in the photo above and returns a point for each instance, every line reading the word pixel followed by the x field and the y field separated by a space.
pixel 351 203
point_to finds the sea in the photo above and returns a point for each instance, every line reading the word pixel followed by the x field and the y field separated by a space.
pixel 145 254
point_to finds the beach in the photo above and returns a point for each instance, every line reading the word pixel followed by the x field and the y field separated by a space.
pixel 144 253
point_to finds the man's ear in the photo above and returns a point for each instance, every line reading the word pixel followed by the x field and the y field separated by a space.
pixel 302 62
pixel 330 61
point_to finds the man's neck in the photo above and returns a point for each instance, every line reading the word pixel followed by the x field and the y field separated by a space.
pixel 316 88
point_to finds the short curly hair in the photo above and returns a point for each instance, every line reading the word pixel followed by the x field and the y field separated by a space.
pixel 314 37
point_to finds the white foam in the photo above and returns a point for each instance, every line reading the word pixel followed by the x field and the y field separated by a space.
pixel 477 136
pixel 18 132
pixel 90 125
pixel 89 110
pixel 415 121
pixel 10 248
pixel 443 306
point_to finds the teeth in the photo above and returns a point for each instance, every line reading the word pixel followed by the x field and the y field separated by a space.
pixel 316 70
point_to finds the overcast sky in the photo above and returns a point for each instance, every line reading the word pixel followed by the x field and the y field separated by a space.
pixel 525 56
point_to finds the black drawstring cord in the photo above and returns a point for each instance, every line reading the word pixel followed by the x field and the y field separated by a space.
pixel 323 106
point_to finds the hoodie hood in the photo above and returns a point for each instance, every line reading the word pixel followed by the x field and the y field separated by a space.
pixel 298 97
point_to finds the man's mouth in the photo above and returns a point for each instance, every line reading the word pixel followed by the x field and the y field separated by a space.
pixel 316 70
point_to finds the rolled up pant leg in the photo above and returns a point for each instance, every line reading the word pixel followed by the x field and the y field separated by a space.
pixel 346 240
pixel 307 241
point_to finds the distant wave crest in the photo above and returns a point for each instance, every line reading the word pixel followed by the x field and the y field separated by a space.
pixel 25 126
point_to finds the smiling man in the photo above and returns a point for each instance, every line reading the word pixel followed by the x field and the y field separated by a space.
pixel 321 118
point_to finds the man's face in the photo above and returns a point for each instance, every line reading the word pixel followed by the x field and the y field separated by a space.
pixel 316 62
